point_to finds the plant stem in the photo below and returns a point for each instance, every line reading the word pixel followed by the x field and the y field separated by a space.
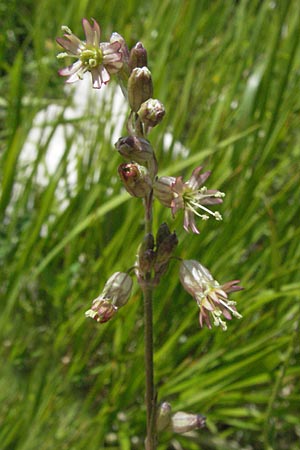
pixel 150 442
pixel 149 370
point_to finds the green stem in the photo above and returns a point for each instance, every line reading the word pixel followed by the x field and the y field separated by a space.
pixel 150 443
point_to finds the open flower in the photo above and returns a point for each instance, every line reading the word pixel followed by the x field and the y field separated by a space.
pixel 210 296
pixel 99 58
pixel 189 196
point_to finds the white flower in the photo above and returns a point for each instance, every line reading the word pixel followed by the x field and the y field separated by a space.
pixel 99 58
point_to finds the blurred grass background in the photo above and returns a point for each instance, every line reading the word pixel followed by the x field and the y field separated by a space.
pixel 228 74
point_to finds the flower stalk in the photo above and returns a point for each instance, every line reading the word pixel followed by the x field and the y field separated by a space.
pixel 150 442
pixel 147 289
pixel 139 176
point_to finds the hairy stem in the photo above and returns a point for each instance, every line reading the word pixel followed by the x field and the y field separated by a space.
pixel 150 443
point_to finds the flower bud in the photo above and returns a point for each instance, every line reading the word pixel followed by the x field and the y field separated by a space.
pixel 138 56
pixel 162 259
pixel 145 263
pixel 102 310
pixel 162 232
pixel 163 418
pixel 135 149
pixel 138 150
pixel 140 87
pixel 151 113
pixel 162 190
pixel 136 179
pixel 164 251
pixel 148 243
pixel 165 244
pixel 183 422
pixel 146 255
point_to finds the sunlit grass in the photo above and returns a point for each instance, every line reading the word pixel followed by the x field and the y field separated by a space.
pixel 228 74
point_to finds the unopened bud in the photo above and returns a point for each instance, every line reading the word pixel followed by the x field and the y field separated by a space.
pixel 138 150
pixel 165 250
pixel 145 262
pixel 163 419
pixel 148 242
pixel 162 232
pixel 165 244
pixel 138 56
pixel 183 422
pixel 146 255
pixel 101 310
pixel 136 179
pixel 134 148
pixel 140 87
pixel 151 113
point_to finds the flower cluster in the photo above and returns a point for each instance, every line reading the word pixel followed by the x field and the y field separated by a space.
pixel 154 255
pixel 139 175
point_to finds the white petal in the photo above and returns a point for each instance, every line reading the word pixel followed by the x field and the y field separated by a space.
pixel 70 70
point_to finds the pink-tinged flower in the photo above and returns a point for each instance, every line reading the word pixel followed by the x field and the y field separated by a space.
pixel 101 310
pixel 210 296
pixel 99 58
pixel 189 196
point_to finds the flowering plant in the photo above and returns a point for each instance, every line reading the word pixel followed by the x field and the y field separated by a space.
pixel 139 175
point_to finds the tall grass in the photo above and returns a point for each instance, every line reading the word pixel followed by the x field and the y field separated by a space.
pixel 228 74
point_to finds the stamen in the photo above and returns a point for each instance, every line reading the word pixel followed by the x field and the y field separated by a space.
pixel 66 29
pixel 216 215
pixel 64 55
pixel 227 306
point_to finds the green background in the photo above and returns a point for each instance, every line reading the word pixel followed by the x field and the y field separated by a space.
pixel 228 74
